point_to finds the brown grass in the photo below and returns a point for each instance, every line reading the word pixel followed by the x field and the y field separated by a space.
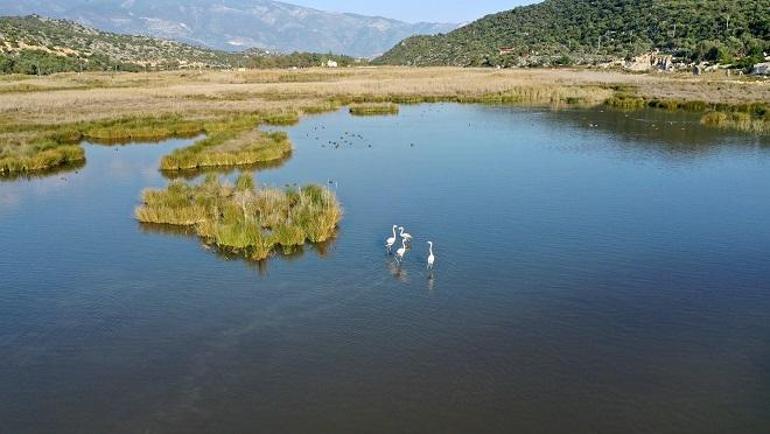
pixel 32 109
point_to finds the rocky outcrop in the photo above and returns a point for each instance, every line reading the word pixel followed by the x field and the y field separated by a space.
pixel 649 62
pixel 761 69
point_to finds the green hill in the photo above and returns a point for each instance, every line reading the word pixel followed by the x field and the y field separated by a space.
pixel 593 31
pixel 37 45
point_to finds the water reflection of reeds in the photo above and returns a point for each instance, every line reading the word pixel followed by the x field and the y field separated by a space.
pixel 40 174
pixel 290 254
pixel 192 174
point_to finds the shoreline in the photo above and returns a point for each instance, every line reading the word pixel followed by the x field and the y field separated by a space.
pixel 44 120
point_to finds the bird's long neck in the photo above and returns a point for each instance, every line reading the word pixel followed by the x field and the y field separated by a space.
pixel 430 249
pixel 394 232
pixel 401 231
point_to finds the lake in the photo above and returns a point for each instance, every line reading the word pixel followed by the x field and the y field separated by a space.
pixel 597 271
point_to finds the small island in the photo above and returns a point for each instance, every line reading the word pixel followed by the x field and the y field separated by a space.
pixel 374 109
pixel 245 219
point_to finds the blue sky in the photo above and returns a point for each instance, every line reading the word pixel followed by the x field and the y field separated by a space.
pixel 450 11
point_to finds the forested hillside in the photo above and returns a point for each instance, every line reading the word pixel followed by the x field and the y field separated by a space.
pixel 591 31
pixel 36 45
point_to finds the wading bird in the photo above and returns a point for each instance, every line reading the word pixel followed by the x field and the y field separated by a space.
pixel 405 236
pixel 431 256
pixel 390 242
pixel 400 253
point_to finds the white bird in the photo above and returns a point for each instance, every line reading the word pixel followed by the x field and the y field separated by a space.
pixel 401 252
pixel 390 242
pixel 431 256
pixel 405 236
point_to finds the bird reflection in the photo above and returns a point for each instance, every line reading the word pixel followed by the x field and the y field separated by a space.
pixel 398 271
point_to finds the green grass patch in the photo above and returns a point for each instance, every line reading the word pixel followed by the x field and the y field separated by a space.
pixel 228 148
pixel 374 109
pixel 739 121
pixel 626 101
pixel 42 159
pixel 232 140
pixel 133 129
pixel 243 219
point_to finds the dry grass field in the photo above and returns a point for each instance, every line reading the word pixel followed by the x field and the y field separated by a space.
pixel 42 120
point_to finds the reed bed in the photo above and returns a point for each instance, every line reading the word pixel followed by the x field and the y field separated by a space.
pixel 40 160
pixel 739 121
pixel 374 109
pixel 230 148
pixel 40 114
pixel 243 219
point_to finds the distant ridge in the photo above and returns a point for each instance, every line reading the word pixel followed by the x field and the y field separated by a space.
pixel 234 25
pixel 38 45
pixel 591 31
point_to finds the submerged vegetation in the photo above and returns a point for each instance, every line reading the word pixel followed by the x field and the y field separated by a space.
pixel 245 219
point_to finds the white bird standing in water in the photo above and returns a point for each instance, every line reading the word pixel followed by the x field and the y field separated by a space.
pixel 390 242
pixel 401 252
pixel 405 236
pixel 431 256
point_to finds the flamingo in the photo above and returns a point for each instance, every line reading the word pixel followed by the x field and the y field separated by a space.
pixel 390 242
pixel 431 256
pixel 400 253
pixel 405 236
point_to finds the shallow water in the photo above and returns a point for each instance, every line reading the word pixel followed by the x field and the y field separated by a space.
pixel 597 272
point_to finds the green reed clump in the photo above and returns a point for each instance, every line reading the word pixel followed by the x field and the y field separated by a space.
pixel 675 104
pixel 739 121
pixel 374 109
pixel 141 128
pixel 242 218
pixel 229 148
pixel 44 147
pixel 626 101
pixel 281 118
pixel 324 107
pixel 41 158
pixel 543 95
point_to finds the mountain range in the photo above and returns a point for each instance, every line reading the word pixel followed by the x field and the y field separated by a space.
pixel 39 45
pixel 596 31
pixel 233 25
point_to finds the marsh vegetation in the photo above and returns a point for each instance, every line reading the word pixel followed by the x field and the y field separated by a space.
pixel 245 219
pixel 374 109
pixel 741 121
pixel 43 120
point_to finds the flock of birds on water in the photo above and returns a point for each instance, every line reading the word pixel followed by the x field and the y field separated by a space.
pixel 346 140
pixel 406 242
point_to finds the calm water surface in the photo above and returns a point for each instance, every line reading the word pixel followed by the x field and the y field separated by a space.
pixel 591 279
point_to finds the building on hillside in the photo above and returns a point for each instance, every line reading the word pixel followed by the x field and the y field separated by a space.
pixel 331 64
pixel 506 50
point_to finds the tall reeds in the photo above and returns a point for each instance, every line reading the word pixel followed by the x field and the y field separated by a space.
pixel 230 148
pixel 43 159
pixel 374 109
pixel 243 219
pixel 739 121
pixel 61 110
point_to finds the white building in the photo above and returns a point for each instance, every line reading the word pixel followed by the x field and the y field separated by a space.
pixel 331 64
